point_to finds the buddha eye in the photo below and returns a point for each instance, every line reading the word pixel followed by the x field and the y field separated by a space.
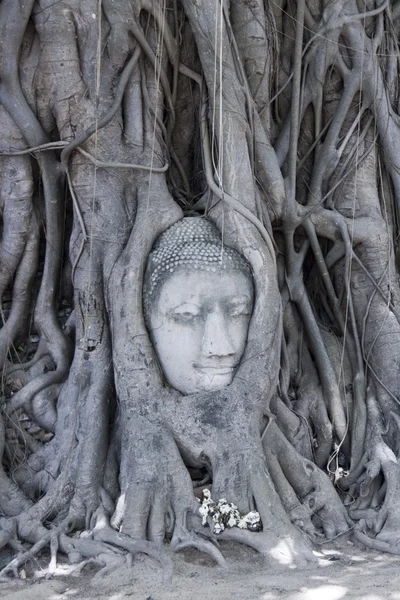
pixel 239 310
pixel 186 314
pixel 184 317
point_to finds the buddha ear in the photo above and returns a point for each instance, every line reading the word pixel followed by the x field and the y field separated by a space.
pixel 153 320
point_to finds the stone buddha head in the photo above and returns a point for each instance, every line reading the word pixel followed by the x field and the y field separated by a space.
pixel 198 299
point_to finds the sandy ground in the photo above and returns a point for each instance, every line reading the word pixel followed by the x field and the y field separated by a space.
pixel 350 573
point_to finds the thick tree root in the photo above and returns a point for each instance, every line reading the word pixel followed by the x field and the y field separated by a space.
pixel 104 533
pixel 285 550
pixel 189 539
pixel 22 558
pixel 8 531
pixel 108 563
pixel 310 484
pixel 375 544
pixel 102 545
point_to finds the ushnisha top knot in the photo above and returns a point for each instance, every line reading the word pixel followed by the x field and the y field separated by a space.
pixel 193 243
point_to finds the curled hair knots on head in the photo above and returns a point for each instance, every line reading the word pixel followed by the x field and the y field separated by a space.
pixel 192 243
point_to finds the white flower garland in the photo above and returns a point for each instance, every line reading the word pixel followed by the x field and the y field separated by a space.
pixel 225 514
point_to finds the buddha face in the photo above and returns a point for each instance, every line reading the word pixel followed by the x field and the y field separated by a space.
pixel 198 324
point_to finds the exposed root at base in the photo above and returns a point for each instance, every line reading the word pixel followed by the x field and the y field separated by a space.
pixel 375 544
pixel 285 550
pixel 103 546
pixel 189 539
pixel 23 557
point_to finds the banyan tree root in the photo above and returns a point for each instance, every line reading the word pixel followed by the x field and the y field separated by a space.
pixel 327 189
pixel 306 492
pixel 102 546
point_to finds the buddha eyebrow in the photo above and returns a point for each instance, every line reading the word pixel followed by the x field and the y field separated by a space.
pixel 239 300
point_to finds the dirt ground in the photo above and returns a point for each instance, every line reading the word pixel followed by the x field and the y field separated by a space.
pixel 345 572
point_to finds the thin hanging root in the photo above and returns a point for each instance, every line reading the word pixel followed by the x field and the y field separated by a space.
pixel 189 539
pixel 47 146
pixel 116 165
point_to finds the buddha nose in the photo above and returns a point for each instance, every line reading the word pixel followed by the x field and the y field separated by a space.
pixel 216 339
